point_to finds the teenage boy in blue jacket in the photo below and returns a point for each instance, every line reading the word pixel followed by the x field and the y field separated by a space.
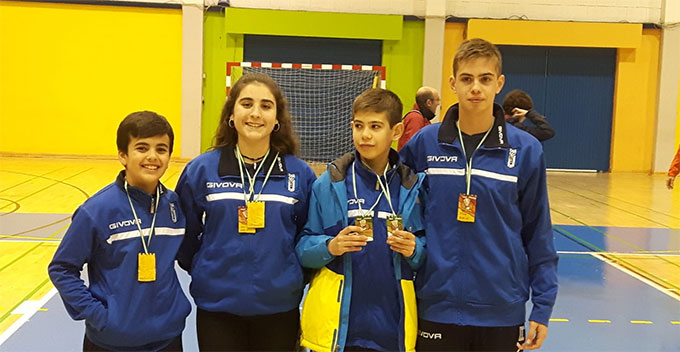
pixel 364 234
pixel 487 219
pixel 128 233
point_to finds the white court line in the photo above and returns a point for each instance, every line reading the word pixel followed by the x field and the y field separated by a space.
pixel 29 309
pixel 653 284
pixel 602 256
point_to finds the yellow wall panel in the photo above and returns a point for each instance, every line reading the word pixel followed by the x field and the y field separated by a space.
pixel 454 35
pixel 677 119
pixel 553 33
pixel 70 73
pixel 635 97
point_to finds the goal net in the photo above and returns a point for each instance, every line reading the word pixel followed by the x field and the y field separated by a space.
pixel 320 100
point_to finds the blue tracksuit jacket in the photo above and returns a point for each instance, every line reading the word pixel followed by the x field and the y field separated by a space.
pixel 243 274
pixel 120 312
pixel 482 273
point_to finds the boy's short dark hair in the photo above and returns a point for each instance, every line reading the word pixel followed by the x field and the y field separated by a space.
pixel 143 124
pixel 477 48
pixel 517 98
pixel 379 100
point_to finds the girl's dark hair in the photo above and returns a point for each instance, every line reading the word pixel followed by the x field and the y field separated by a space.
pixel 282 141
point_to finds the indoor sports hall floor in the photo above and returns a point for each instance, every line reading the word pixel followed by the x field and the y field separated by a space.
pixel 617 235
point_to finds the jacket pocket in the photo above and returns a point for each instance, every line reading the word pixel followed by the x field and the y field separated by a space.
pixel 111 315
pixel 321 311
pixel 501 287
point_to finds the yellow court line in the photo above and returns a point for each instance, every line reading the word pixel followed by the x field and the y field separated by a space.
pixel 42 310
pixel 660 252
pixel 675 322
pixel 30 238
pixel 39 243
pixel 609 321
pixel 624 254
pixel 55 182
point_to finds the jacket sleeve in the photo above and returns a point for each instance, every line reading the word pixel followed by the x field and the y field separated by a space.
pixel 413 122
pixel 312 249
pixel 416 218
pixel 418 257
pixel 411 154
pixel 674 170
pixel 64 270
pixel 542 129
pixel 302 206
pixel 193 209
pixel 537 236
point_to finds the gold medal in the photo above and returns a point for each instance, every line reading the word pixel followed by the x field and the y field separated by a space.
pixel 366 224
pixel 394 223
pixel 146 262
pixel 146 267
pixel 467 206
pixel 255 215
pixel 243 221
pixel 251 216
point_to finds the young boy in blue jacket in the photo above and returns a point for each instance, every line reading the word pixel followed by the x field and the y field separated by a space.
pixel 128 233
pixel 487 219
pixel 364 234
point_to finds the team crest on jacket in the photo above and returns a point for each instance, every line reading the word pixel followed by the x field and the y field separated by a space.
pixel 512 154
pixel 173 212
pixel 291 182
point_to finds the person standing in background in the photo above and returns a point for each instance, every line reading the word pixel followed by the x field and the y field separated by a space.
pixel 519 106
pixel 427 101
pixel 674 170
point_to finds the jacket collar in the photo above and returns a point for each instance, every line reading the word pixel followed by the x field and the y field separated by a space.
pixel 424 112
pixel 498 137
pixel 416 109
pixel 135 192
pixel 364 171
pixel 228 165
pixel 338 168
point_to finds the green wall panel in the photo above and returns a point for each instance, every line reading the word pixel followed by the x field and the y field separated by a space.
pixel 219 47
pixel 223 41
pixel 404 61
pixel 313 24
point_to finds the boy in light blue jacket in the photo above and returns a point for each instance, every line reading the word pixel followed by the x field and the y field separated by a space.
pixel 364 234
